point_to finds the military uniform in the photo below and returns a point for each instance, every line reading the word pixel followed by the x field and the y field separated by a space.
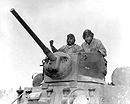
pixel 70 49
pixel 95 45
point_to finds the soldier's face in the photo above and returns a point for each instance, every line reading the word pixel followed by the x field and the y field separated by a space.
pixel 70 41
pixel 88 38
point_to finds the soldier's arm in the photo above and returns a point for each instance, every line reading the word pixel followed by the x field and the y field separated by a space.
pixel 81 49
pixel 62 49
pixel 102 49
pixel 52 46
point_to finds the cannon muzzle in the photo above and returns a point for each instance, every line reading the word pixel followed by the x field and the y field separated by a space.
pixel 47 52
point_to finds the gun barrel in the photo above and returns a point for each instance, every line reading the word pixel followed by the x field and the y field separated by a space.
pixel 47 52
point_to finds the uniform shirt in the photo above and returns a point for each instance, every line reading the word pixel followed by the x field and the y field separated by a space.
pixel 70 49
pixel 95 46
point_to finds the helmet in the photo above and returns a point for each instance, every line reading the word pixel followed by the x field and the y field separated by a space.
pixel 71 36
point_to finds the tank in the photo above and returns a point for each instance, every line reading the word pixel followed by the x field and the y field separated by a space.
pixel 76 78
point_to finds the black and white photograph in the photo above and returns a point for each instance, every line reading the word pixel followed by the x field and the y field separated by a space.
pixel 64 52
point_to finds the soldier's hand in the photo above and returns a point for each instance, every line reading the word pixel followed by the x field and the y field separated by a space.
pixel 51 42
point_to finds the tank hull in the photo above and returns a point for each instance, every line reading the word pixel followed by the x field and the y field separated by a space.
pixel 73 92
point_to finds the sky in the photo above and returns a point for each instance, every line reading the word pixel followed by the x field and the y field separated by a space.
pixel 20 56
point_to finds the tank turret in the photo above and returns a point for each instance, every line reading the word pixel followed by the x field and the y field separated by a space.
pixel 60 66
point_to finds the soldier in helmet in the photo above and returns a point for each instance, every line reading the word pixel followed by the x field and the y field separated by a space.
pixel 71 47
pixel 91 44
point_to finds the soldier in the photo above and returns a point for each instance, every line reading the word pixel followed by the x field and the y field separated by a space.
pixel 91 44
pixel 71 47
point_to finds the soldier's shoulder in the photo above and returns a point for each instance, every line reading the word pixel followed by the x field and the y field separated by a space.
pixel 76 45
pixel 62 47
pixel 97 40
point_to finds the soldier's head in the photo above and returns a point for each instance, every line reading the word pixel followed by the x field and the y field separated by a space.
pixel 88 36
pixel 70 39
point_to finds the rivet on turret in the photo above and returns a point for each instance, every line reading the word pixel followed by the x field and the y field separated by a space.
pixel 91 92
